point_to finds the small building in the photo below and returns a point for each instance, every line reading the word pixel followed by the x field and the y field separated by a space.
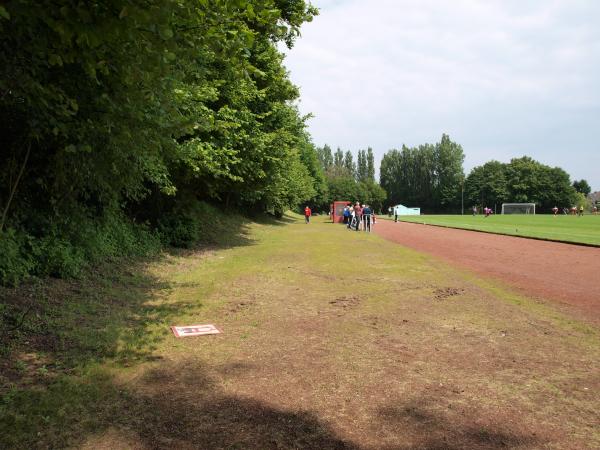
pixel 401 210
pixel 337 210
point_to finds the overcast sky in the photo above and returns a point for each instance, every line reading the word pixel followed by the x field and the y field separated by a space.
pixel 504 78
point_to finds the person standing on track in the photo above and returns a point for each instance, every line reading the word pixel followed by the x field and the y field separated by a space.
pixel 307 214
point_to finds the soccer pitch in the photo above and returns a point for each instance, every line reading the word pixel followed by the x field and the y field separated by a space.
pixel 585 229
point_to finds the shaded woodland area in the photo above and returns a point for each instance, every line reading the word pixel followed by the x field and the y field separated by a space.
pixel 125 125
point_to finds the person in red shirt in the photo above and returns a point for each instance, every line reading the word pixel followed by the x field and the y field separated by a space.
pixel 307 214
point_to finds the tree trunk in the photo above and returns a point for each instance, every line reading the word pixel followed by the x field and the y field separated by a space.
pixel 13 188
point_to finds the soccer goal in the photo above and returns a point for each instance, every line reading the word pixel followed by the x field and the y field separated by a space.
pixel 518 208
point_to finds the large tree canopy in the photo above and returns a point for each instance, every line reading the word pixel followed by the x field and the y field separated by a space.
pixel 523 180
pixel 582 187
pixel 428 176
pixel 132 106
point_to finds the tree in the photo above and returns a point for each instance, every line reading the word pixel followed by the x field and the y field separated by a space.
pixel 311 157
pixel 342 188
pixel 325 157
pixel 428 176
pixel 361 166
pixel 582 186
pixel 523 180
pixel 486 185
pixel 370 169
pixel 128 107
pixel 448 161
pixel 338 159
pixel 372 194
pixel 349 163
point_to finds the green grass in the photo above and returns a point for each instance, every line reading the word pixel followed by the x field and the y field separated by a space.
pixel 585 230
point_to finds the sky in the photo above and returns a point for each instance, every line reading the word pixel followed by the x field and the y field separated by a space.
pixel 504 78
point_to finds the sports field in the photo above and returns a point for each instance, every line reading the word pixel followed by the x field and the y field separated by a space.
pixel 331 339
pixel 585 229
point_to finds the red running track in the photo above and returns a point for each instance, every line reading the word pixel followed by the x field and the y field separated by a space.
pixel 568 274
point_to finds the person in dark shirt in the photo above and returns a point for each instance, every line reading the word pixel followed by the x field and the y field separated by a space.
pixel 367 214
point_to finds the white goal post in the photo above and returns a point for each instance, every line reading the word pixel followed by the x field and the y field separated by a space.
pixel 518 208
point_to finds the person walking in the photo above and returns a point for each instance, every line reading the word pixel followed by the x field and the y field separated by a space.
pixel 307 214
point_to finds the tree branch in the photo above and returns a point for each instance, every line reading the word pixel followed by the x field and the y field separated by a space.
pixel 14 187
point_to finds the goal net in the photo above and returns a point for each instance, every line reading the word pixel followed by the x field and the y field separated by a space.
pixel 518 208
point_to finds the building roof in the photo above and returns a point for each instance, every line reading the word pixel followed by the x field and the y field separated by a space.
pixel 594 196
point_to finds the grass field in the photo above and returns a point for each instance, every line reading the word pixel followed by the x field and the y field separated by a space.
pixel 331 339
pixel 585 229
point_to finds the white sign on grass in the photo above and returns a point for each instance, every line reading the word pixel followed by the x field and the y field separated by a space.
pixel 195 330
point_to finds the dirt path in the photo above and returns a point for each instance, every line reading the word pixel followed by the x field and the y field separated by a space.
pixel 549 270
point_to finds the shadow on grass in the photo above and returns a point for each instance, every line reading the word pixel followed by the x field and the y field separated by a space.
pixel 182 405
pixel 287 219
pixel 172 407
pixel 111 312
pixel 434 429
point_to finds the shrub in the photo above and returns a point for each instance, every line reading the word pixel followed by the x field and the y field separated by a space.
pixel 14 266
pixel 179 230
pixel 58 257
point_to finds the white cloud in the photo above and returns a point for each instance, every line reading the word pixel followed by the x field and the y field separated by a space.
pixel 503 78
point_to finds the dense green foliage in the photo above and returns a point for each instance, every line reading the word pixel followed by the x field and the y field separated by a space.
pixel 432 177
pixel 349 180
pixel 127 112
pixel 582 187
pixel 523 180
pixel 428 176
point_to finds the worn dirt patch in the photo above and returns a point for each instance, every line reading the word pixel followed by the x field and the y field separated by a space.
pixel 346 301
pixel 447 292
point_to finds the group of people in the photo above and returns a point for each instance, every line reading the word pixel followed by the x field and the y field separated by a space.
pixel 574 210
pixel 487 211
pixel 359 217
